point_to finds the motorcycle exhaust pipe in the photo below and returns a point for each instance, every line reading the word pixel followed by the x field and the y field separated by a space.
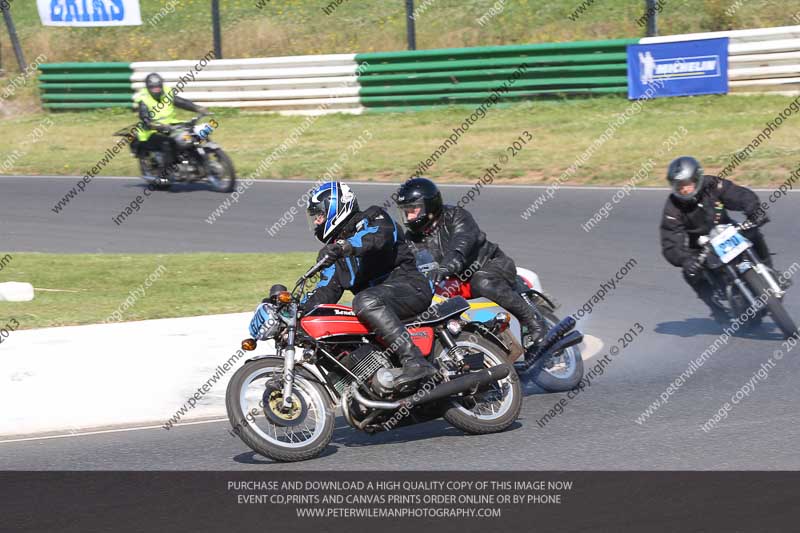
pixel 555 333
pixel 571 339
pixel 472 381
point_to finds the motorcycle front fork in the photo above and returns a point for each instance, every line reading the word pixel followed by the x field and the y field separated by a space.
pixel 288 370
pixel 762 270
pixel 766 273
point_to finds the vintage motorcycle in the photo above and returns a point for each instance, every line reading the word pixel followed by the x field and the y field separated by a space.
pixel 198 158
pixel 282 406
pixel 559 372
pixel 740 281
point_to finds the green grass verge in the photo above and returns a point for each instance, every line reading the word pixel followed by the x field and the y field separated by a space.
pixel 718 127
pixel 180 285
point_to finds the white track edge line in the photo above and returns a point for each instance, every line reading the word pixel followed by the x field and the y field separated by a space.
pixel 117 430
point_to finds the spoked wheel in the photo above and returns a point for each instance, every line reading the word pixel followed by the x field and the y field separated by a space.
pixel 490 410
pixel 220 172
pixel 254 400
pixel 149 167
pixel 774 304
pixel 562 372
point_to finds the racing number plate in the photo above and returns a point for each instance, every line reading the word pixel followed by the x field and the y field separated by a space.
pixel 729 244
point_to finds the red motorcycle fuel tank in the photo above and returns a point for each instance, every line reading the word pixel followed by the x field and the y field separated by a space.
pixel 329 320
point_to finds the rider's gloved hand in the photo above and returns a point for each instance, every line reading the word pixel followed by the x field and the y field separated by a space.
pixel 692 267
pixel 335 251
pixel 438 275
pixel 452 267
pixel 162 128
pixel 758 218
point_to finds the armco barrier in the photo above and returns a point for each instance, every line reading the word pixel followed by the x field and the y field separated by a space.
pixel 85 85
pixel 392 81
pixel 300 84
pixel 765 59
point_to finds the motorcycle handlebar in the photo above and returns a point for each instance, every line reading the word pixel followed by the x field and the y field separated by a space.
pixel 316 268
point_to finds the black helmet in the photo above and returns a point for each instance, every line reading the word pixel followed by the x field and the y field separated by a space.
pixel 683 171
pixel 155 85
pixel 330 206
pixel 420 197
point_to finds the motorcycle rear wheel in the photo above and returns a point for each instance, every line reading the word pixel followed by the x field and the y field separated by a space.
pixel 303 438
pixel 148 169
pixel 492 410
pixel 775 305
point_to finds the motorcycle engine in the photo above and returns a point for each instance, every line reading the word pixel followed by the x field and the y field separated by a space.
pixel 364 362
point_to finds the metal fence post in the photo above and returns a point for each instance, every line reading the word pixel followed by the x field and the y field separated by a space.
pixel 12 33
pixel 410 28
pixel 652 29
pixel 217 30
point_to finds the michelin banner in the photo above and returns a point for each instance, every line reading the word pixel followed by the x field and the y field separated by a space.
pixel 678 69
pixel 89 12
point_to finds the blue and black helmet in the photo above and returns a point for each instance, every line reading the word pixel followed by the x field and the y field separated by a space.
pixel 329 207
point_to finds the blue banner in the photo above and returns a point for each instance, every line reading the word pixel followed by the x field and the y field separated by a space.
pixel 678 69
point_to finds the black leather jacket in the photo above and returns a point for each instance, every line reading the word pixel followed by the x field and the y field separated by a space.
pixel 684 221
pixel 381 254
pixel 456 242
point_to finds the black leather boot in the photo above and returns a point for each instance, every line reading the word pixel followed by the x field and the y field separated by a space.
pixel 397 340
pixel 530 319
pixel 415 367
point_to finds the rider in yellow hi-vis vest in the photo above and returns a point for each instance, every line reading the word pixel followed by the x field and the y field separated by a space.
pixel 156 106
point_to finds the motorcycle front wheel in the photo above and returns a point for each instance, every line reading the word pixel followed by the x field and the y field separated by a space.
pixel 254 399
pixel 774 304
pixel 220 172
pixel 561 372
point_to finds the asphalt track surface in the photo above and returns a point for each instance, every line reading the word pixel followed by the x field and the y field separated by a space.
pixel 597 430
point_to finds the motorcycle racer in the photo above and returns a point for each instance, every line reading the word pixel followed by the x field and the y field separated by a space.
pixel 368 255
pixel 696 204
pixel 456 242
pixel 156 107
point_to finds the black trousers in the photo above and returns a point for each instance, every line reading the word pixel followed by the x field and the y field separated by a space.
pixel 384 306
pixel 496 280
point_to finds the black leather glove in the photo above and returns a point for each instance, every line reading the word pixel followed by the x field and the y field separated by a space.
pixel 692 267
pixel 451 267
pixel 758 218
pixel 335 251
pixel 438 275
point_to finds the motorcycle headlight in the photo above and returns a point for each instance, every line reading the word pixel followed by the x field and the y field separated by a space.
pixel 265 322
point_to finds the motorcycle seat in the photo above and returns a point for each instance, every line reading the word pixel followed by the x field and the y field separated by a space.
pixel 440 311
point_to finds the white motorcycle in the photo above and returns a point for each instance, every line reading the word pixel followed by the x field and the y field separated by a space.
pixel 558 366
pixel 742 284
